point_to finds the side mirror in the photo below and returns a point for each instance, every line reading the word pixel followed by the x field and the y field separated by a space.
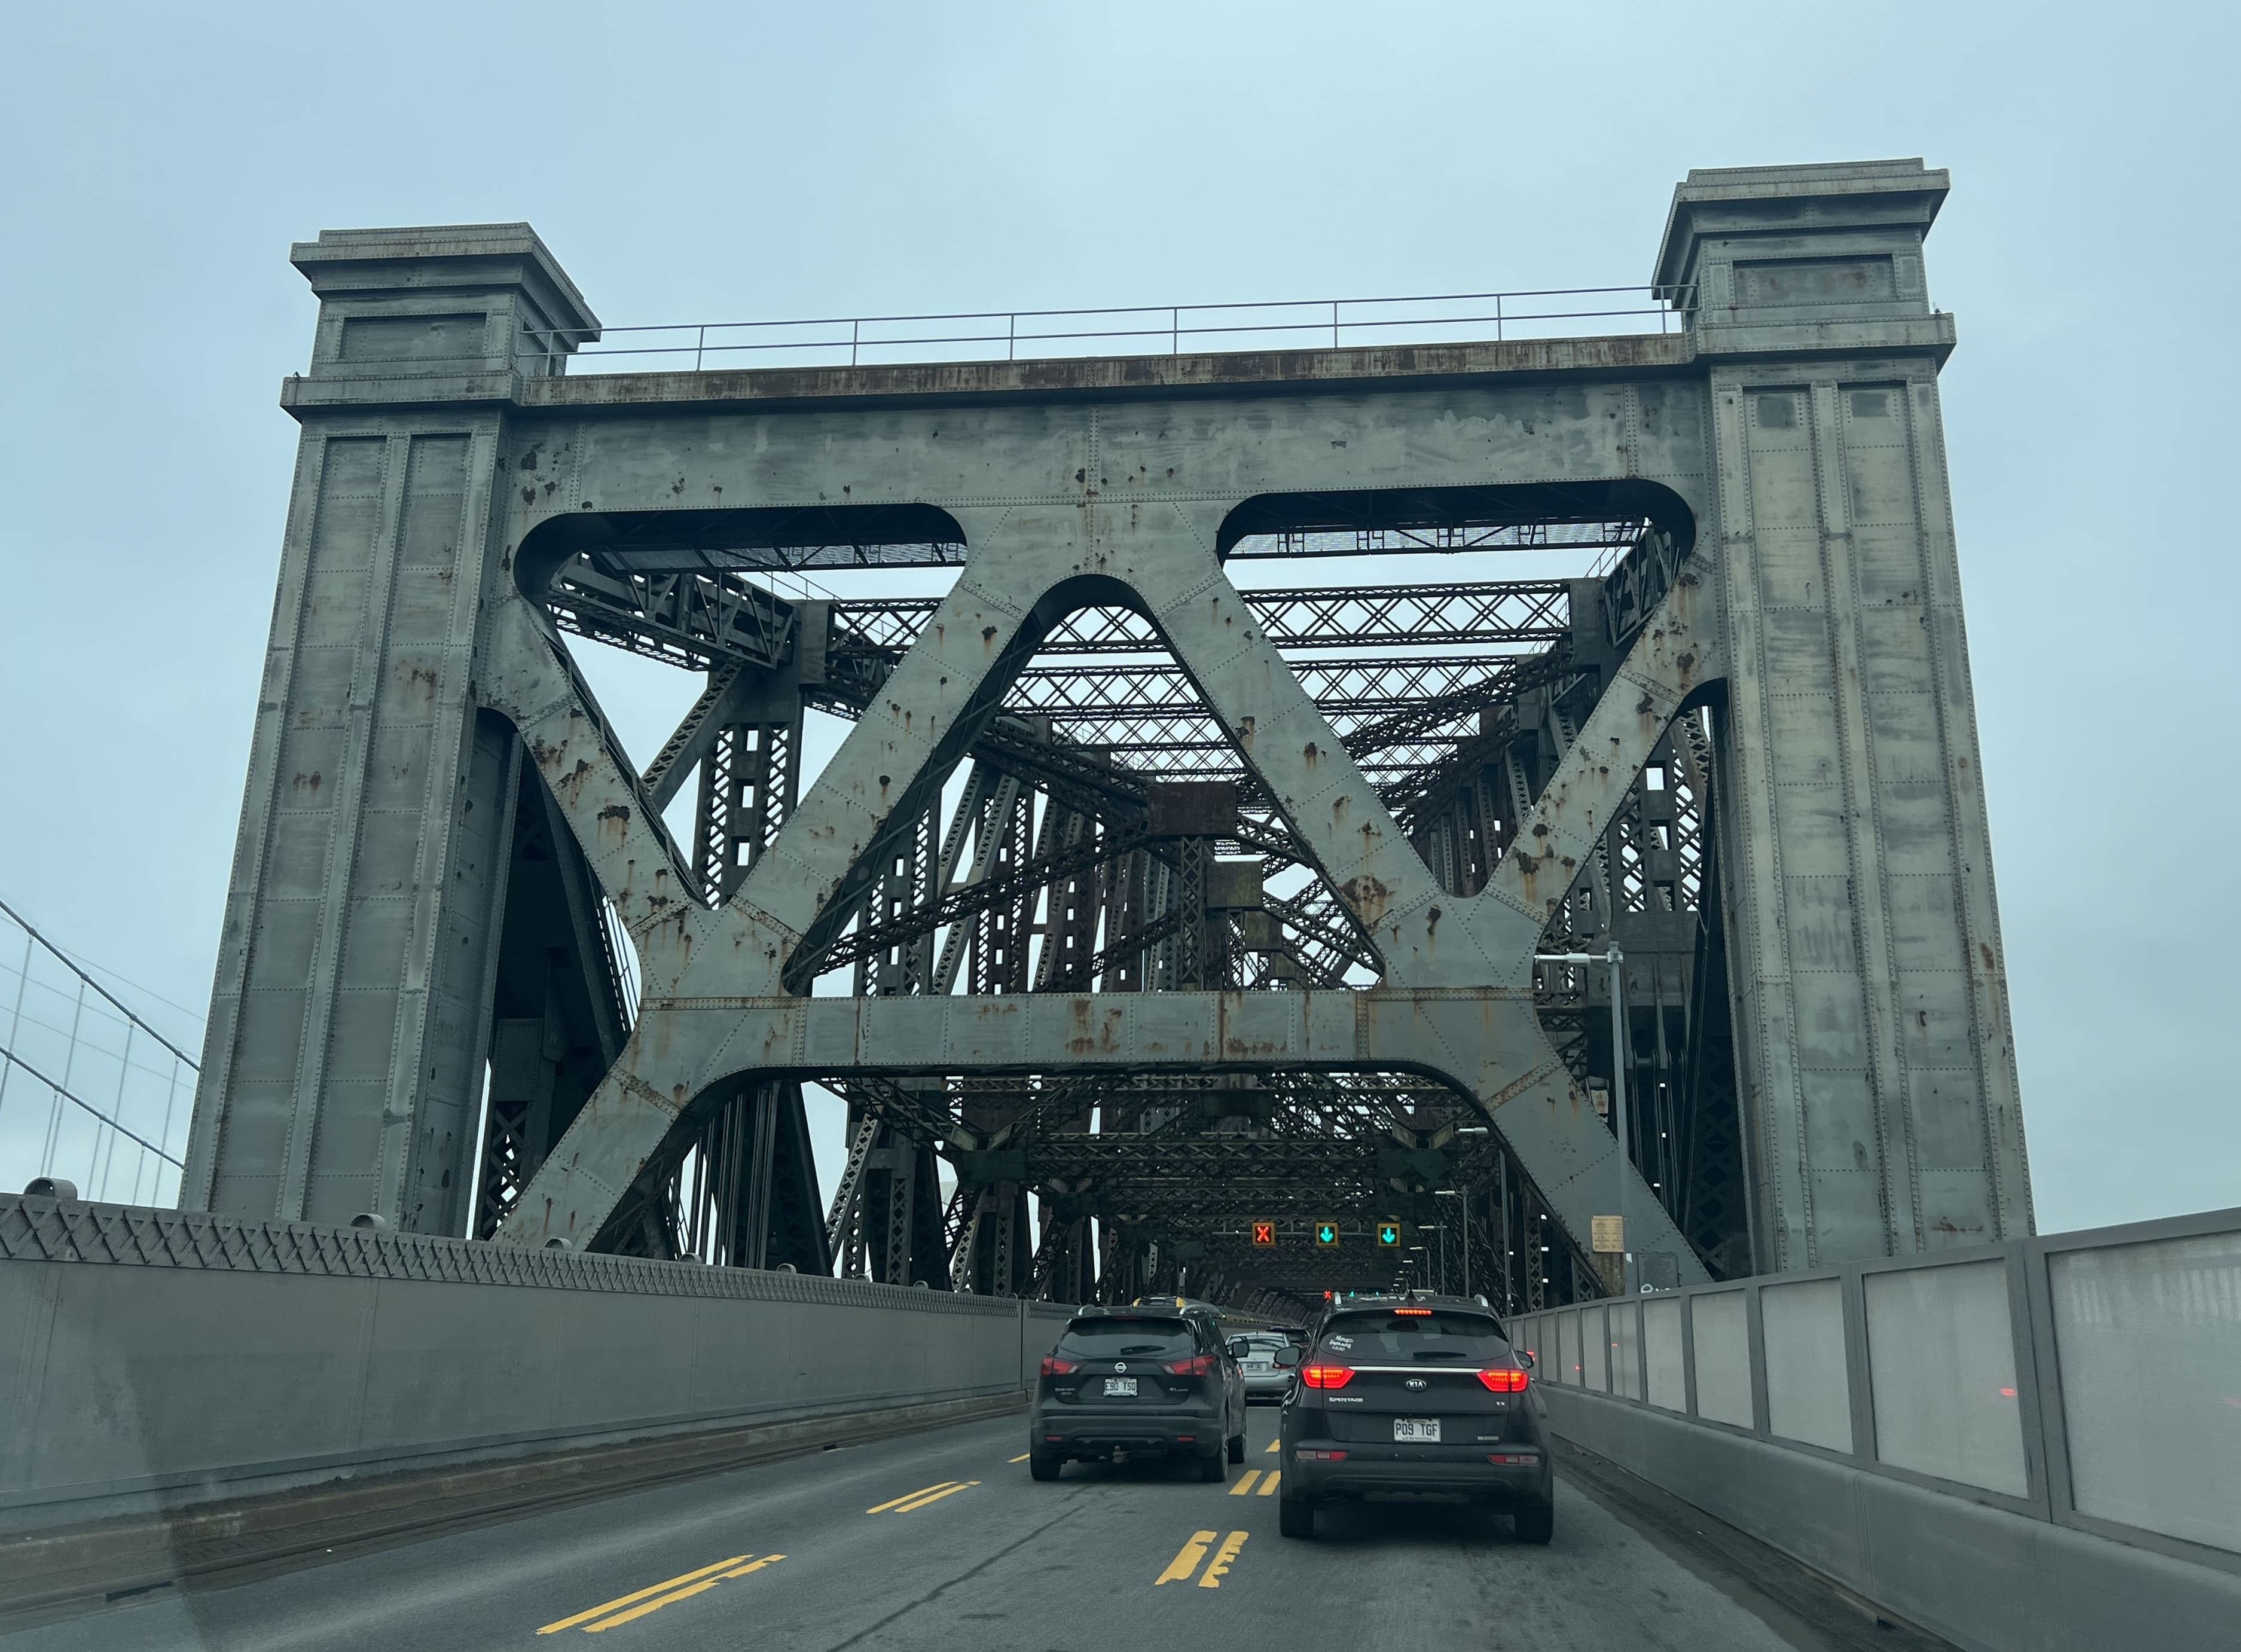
pixel 1287 1358
pixel 1238 1347
pixel 1525 1358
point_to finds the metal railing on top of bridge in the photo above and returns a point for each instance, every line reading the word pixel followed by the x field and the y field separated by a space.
pixel 89 1091
pixel 1128 330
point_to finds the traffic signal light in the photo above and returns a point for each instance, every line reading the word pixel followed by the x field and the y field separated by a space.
pixel 1388 1232
pixel 1264 1234
pixel 1325 1233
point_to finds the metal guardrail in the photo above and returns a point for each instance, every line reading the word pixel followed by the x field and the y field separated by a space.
pixel 2092 1380
pixel 1128 330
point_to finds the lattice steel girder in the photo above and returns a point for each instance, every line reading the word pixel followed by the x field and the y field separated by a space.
pixel 695 620
pixel 1794 450
pixel 1515 612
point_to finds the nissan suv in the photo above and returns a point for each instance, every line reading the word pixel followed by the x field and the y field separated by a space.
pixel 1133 1382
pixel 1415 1395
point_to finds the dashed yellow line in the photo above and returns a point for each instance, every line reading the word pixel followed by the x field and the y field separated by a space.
pixel 1186 1560
pixel 1244 1485
pixel 1218 1567
pixel 1022 1457
pixel 625 1609
pixel 1275 1446
pixel 1269 1485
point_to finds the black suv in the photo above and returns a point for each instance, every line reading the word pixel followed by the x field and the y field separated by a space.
pixel 1415 1394
pixel 1138 1382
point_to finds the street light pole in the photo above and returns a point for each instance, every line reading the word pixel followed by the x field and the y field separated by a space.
pixel 1619 1054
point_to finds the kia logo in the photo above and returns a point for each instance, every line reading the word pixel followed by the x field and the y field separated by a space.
pixel 1119 1365
pixel 1416 1382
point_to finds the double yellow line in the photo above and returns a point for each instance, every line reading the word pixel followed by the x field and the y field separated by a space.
pixel 922 1496
pixel 1268 1486
pixel 626 1608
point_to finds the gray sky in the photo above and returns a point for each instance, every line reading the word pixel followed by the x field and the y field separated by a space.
pixel 745 161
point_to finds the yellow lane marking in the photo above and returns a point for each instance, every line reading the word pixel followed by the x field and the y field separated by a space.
pixel 1218 1567
pixel 936 1496
pixel 1245 1482
pixel 1275 1446
pixel 896 1503
pixel 1022 1457
pixel 1269 1485
pixel 604 1608
pixel 1187 1559
pixel 753 1566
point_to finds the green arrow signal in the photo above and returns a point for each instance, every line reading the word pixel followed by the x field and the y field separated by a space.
pixel 1327 1233
pixel 1388 1232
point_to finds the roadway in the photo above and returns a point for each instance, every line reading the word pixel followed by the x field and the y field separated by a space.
pixel 941 1540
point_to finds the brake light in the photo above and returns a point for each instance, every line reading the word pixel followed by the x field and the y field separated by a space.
pixel 1326 1376
pixel 1203 1365
pixel 1053 1366
pixel 1504 1378
pixel 1419 1312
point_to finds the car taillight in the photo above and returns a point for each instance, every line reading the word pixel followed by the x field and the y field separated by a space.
pixel 1201 1366
pixel 1326 1376
pixel 1053 1366
pixel 1504 1378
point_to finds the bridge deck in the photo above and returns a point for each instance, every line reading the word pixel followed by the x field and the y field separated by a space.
pixel 1004 1563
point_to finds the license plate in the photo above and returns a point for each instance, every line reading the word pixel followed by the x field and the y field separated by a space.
pixel 1416 1428
pixel 1124 1387
pixel 1259 1365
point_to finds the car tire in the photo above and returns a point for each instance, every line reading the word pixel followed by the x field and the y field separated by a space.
pixel 1295 1516
pixel 1043 1465
pixel 1213 1470
pixel 1537 1524
pixel 1237 1448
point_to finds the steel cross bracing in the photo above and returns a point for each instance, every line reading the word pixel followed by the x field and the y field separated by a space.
pixel 1045 842
pixel 1147 900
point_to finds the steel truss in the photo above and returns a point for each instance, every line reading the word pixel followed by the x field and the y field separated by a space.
pixel 1053 873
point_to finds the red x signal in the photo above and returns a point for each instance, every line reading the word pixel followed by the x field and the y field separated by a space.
pixel 1264 1234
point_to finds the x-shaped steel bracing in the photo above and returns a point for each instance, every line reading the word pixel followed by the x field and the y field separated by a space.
pixel 1455 1002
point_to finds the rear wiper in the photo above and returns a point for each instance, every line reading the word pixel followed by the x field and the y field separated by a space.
pixel 1143 1347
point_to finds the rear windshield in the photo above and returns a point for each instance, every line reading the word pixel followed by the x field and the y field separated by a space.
pixel 1436 1336
pixel 1260 1343
pixel 1126 1339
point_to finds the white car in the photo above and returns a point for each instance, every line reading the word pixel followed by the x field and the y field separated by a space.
pixel 1256 1351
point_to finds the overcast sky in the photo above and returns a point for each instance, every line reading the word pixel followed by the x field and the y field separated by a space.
pixel 739 161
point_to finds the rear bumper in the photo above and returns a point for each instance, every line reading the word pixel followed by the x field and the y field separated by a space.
pixel 1376 1470
pixel 1079 1432
pixel 1273 1385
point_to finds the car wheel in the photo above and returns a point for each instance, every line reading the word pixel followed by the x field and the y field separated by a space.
pixel 1295 1516
pixel 1043 1465
pixel 1237 1448
pixel 1535 1525
pixel 1213 1470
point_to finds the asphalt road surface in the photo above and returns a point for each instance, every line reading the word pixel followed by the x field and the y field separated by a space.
pixel 941 1540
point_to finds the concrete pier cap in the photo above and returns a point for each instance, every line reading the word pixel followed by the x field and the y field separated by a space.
pixel 1780 251
pixel 444 301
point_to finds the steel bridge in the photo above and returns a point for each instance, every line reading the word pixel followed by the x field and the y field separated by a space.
pixel 1175 915
pixel 1144 899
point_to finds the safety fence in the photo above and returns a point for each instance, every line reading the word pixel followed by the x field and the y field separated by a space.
pixel 89 1091
pixel 2089 1381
